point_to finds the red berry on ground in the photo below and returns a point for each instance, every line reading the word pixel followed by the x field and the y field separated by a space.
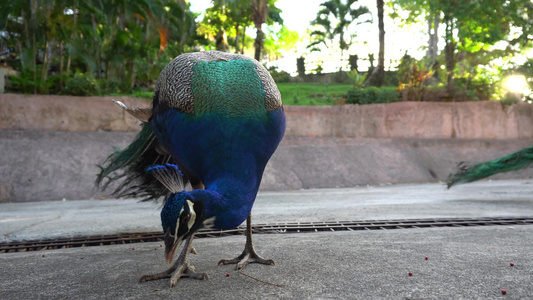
pixel 426 258
pixel 155 248
pixel 44 255
pixel 512 264
pixel 132 248
pixel 410 273
pixel 227 274
pixel 504 292
pixel 160 245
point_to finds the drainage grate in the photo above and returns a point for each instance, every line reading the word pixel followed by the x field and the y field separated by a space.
pixel 128 238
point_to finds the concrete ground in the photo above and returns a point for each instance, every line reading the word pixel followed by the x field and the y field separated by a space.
pixel 463 263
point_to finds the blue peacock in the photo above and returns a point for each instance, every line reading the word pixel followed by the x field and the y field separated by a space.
pixel 215 121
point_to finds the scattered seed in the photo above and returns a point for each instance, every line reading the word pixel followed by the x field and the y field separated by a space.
pixel 504 291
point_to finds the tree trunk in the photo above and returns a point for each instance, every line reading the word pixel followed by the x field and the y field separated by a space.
pixel 259 8
pixel 221 41
pixel 61 65
pixel 450 54
pixel 46 64
pixel 378 75
pixel 243 39
pixel 237 36
pixel 97 44
pixel 433 28
pixel 258 44
pixel 34 62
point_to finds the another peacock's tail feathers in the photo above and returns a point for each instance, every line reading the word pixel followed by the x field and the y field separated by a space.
pixel 127 168
pixel 515 161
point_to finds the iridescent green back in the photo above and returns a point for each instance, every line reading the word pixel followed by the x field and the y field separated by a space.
pixel 217 81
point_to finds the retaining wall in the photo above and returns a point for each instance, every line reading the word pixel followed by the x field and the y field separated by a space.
pixel 50 145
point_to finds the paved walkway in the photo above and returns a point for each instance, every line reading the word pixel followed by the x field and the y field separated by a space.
pixel 463 263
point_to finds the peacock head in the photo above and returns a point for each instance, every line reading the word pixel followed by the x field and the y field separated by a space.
pixel 180 217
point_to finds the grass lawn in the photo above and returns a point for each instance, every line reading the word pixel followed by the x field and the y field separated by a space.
pixel 312 93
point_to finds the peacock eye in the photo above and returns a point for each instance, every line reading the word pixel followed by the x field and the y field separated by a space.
pixel 186 218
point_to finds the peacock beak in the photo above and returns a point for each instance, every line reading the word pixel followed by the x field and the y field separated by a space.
pixel 171 244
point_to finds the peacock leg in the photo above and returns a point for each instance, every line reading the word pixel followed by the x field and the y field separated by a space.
pixel 180 268
pixel 248 255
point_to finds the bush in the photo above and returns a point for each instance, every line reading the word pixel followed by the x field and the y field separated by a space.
pixel 22 83
pixel 371 95
pixel 280 76
pixel 82 84
pixel 109 86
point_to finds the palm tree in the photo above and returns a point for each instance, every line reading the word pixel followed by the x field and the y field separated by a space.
pixel 262 12
pixel 344 15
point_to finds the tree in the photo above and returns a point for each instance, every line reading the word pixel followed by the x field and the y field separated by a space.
pixel 263 11
pixel 472 26
pixel 378 74
pixel 102 38
pixel 343 16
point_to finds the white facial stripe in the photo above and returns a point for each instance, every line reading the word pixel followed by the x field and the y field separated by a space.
pixel 177 226
pixel 209 223
pixel 193 214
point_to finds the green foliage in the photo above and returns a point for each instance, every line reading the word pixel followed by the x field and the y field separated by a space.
pixel 472 28
pixel 358 79
pixel 344 19
pixel 509 99
pixel 23 83
pixel 111 40
pixel 312 93
pixel 372 95
pixel 82 84
pixel 280 40
pixel 279 76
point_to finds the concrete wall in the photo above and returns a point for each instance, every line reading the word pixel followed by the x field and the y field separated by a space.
pixel 49 147
pixel 464 120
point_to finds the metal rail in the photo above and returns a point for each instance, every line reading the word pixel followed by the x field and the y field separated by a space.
pixel 297 227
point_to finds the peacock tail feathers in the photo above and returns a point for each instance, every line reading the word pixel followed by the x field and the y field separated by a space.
pixel 128 168
pixel 515 161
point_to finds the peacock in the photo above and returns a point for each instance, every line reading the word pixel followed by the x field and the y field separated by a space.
pixel 215 121
pixel 514 161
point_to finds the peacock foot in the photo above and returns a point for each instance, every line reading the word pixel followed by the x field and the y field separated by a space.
pixel 247 256
pixel 180 269
pixel 175 273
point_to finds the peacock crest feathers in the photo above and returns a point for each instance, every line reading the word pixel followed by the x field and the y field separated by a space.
pixel 169 175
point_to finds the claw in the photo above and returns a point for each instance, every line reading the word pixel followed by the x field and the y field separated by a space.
pixel 249 255
pixel 180 269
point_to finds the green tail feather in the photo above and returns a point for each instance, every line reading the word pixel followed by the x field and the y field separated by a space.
pixel 128 168
pixel 515 161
